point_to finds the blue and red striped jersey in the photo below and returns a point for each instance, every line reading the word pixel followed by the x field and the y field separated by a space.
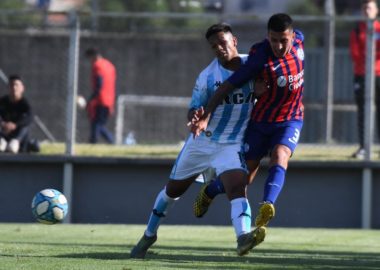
pixel 283 100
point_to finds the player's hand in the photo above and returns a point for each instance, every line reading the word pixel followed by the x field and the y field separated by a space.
pixel 201 125
pixel 8 127
pixel 195 115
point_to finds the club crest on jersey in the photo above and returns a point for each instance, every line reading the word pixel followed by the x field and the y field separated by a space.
pixel 281 81
pixel 300 54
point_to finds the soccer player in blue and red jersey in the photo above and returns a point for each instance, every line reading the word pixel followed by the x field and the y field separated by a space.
pixel 277 118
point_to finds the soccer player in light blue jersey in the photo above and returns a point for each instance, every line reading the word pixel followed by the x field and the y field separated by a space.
pixel 219 147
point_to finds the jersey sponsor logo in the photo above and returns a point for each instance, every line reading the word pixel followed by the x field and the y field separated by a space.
pixel 300 54
pixel 295 137
pixel 295 81
pixel 239 98
pixel 281 81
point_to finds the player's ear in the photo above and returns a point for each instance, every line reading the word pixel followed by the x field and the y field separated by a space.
pixel 235 41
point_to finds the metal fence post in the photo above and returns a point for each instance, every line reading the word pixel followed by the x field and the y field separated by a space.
pixel 368 125
pixel 330 52
pixel 71 109
pixel 72 84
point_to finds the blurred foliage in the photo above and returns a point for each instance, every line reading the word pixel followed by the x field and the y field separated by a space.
pixel 312 7
pixel 15 16
pixel 305 7
pixel 313 31
pixel 309 7
pixel 144 6
pixel 131 24
pixel 12 4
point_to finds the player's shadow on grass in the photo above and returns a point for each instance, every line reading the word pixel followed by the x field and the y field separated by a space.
pixel 220 256
pixel 275 258
pixel 97 255
pixel 318 259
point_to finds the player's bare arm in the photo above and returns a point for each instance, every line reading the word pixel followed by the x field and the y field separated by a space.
pixel 261 87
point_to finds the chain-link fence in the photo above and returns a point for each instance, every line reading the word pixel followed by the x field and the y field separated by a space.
pixel 161 55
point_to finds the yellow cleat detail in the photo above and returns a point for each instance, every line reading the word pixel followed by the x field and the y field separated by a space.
pixel 266 213
pixel 201 203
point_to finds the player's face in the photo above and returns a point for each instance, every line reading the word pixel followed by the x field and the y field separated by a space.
pixel 281 42
pixel 224 45
pixel 370 10
pixel 16 89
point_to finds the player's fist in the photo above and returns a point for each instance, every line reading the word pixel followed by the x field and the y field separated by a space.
pixel 195 115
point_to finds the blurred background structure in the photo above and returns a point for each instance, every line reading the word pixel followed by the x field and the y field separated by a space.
pixel 158 49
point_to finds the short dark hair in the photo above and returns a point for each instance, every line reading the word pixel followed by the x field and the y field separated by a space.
pixel 216 28
pixel 90 52
pixel 14 77
pixel 368 1
pixel 280 22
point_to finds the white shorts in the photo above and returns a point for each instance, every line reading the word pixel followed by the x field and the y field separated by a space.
pixel 199 154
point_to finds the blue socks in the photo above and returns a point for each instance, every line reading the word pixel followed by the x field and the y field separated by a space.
pixel 214 188
pixel 274 183
pixel 272 189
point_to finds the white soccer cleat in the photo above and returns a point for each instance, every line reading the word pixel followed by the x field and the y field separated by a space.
pixel 3 144
pixel 13 146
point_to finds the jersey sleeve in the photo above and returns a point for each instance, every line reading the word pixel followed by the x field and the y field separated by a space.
pixel 200 94
pixel 251 68
pixel 299 35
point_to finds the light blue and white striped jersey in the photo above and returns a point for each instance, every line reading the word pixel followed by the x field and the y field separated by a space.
pixel 230 119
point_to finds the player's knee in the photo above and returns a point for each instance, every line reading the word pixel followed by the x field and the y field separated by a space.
pixel 175 188
pixel 280 155
pixel 237 189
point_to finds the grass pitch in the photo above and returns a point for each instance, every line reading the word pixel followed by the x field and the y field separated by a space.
pixel 37 246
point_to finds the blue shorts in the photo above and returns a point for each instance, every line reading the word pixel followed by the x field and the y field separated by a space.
pixel 260 138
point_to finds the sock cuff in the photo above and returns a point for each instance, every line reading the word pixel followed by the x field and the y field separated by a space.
pixel 239 200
